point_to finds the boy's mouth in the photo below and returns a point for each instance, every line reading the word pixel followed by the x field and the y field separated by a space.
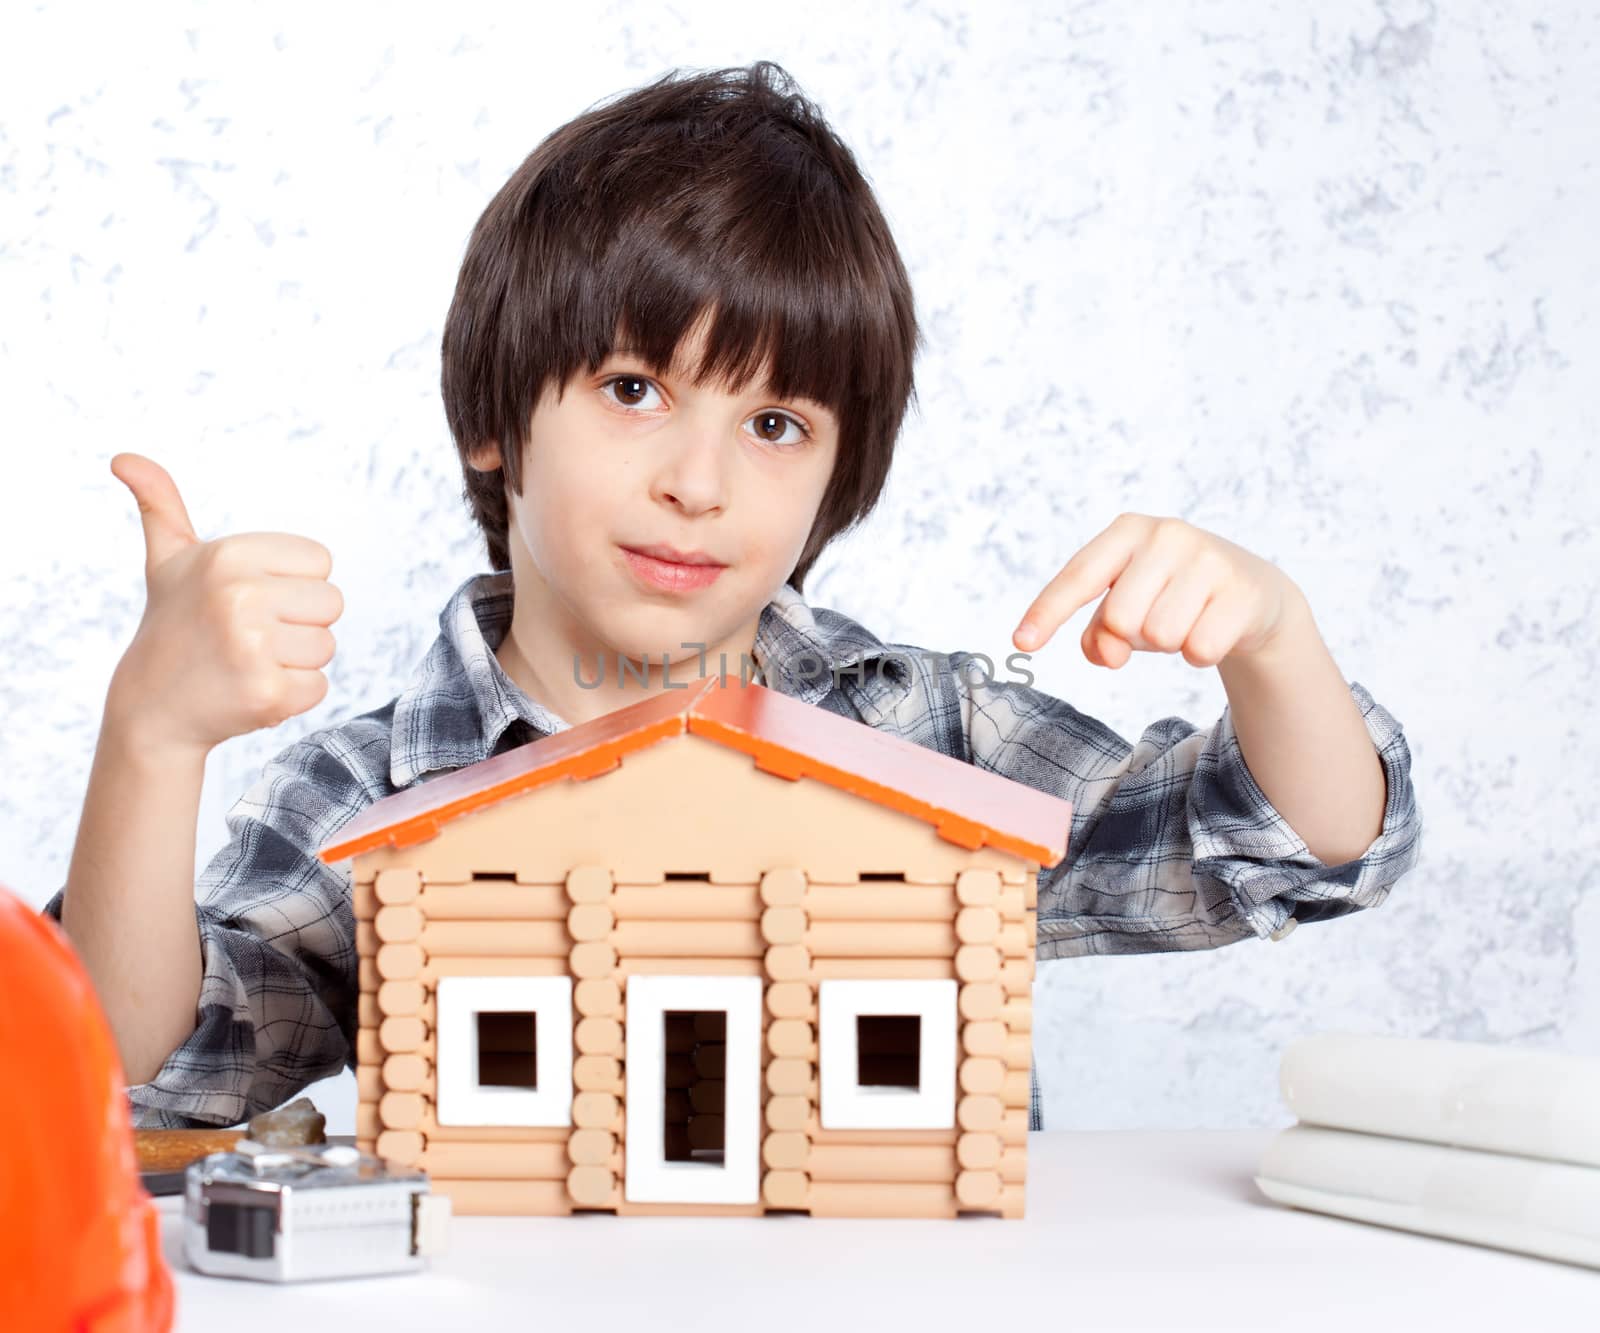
pixel 672 556
pixel 671 570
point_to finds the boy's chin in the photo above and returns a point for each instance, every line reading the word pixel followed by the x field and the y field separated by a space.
pixel 649 629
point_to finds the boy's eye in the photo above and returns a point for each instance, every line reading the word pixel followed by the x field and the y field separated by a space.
pixel 771 426
pixel 632 388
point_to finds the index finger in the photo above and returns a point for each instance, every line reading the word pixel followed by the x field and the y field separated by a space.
pixel 282 553
pixel 1093 569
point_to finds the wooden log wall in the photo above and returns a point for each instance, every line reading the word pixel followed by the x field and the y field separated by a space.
pixel 409 934
pixel 795 934
pixel 976 931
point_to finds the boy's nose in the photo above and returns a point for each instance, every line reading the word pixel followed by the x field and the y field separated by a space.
pixel 692 477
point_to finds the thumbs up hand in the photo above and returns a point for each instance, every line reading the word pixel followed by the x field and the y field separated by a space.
pixel 235 630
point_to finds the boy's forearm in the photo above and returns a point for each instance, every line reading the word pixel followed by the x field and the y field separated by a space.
pixel 128 905
pixel 1305 741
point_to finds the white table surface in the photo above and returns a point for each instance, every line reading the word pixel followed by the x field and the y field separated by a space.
pixel 1124 1231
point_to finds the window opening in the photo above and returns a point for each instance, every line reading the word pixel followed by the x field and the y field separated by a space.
pixel 508 1049
pixel 889 1050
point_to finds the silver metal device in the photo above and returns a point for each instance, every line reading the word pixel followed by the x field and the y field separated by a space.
pixel 321 1210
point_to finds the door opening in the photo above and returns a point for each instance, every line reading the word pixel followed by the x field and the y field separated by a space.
pixel 694 1071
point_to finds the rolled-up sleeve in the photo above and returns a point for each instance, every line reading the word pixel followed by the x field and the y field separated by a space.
pixel 1241 840
pixel 1173 845
pixel 277 1003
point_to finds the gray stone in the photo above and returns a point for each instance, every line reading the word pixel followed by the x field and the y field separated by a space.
pixel 289 1126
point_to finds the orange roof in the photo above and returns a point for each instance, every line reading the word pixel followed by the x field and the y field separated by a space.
pixel 968 806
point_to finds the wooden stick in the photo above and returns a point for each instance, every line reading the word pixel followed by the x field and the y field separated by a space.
pixel 526 965
pixel 881 902
pixel 700 966
pixel 888 1164
pixel 874 1199
pixel 434 1132
pixel 501 1161
pixel 881 939
pixel 502 902
pixel 678 939
pixel 687 902
pixel 478 939
pixel 174 1149
pixel 823 969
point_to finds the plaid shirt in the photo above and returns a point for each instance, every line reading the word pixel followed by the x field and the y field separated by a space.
pixel 1172 846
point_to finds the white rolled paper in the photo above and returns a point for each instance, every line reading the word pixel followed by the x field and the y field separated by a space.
pixel 1549 1209
pixel 1465 1094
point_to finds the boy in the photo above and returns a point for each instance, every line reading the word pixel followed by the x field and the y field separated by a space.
pixel 678 355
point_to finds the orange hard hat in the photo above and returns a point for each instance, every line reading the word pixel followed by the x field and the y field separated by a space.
pixel 80 1239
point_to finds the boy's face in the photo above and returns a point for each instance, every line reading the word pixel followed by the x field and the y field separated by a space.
pixel 628 461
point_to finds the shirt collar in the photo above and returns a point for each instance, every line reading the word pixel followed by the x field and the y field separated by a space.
pixel 808 651
pixel 459 703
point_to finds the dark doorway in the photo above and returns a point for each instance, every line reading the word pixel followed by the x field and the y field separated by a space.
pixel 695 1047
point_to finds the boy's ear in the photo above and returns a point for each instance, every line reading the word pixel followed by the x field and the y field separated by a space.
pixel 485 457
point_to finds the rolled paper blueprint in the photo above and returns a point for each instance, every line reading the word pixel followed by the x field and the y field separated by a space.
pixel 1465 1094
pixel 1549 1209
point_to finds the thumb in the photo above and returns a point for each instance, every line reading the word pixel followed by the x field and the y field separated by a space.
pixel 167 529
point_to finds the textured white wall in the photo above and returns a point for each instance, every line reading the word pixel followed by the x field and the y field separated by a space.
pixel 1326 286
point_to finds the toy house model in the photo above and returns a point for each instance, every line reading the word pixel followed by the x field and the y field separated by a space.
pixel 719 951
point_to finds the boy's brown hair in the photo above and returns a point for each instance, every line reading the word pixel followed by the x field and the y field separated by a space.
pixel 721 194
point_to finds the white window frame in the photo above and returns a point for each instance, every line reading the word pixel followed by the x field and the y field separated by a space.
pixel 649 1176
pixel 845 1104
pixel 461 1099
